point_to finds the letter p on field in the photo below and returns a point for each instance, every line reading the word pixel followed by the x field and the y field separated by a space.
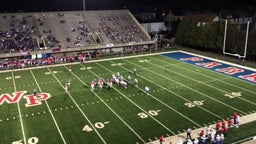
pixel 36 100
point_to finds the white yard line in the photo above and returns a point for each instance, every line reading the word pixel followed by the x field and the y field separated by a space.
pixel 109 107
pixel 18 105
pixel 137 105
pixel 160 100
pixel 225 92
pixel 240 111
pixel 79 108
pixel 63 139
pixel 180 96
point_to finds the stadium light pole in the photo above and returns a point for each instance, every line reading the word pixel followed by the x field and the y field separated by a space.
pixel 246 39
pixel 225 34
pixel 84 5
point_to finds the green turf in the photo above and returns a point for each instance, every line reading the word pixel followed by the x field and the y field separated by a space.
pixel 181 96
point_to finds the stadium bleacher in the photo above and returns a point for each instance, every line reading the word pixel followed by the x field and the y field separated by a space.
pixel 48 30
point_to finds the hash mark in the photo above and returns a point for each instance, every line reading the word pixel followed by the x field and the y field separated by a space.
pixel 106 122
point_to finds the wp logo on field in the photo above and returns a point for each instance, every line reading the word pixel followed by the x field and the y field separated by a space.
pixel 31 100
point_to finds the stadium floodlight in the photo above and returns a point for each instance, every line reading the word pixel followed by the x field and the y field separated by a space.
pixel 246 41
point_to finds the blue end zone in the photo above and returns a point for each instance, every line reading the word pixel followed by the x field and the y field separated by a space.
pixel 230 70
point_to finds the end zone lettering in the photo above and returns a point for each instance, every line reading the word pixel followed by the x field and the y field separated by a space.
pixel 31 99
pixel 192 59
pixel 250 77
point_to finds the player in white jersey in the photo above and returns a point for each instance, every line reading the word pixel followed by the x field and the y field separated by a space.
pixel 124 84
pixel 134 71
pixel 136 83
pixel 118 75
pixel 93 83
pixel 129 80
pixel 69 82
pixel 117 81
pixel 66 87
pixel 35 93
pixel 121 78
pixel 69 68
pixel 113 76
pixel 147 90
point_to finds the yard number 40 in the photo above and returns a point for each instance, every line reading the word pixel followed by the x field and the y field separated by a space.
pixel 98 125
pixel 32 140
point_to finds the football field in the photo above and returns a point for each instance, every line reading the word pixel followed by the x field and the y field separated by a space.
pixel 181 96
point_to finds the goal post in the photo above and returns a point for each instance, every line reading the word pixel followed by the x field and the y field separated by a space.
pixel 245 45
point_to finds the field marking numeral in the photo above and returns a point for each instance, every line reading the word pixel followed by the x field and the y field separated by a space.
pixel 233 94
pixel 9 78
pixel 151 112
pixel 85 68
pixel 87 128
pixel 48 73
pixel 194 103
pixel 145 60
pixel 17 76
pixel 32 140
pixel 116 64
pixel 98 125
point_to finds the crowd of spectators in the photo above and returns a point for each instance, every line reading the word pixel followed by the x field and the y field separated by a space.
pixel 119 29
pixel 18 36
pixel 29 32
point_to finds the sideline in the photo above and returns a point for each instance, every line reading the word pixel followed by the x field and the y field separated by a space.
pixel 125 57
pixel 87 61
pixel 195 133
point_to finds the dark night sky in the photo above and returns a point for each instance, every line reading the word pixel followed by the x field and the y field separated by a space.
pixel 59 5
